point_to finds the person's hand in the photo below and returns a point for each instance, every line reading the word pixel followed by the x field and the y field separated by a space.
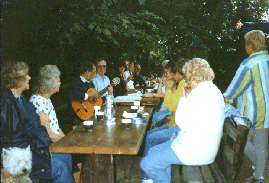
pixel 5 175
pixel 226 100
pixel 148 95
pixel 110 89
pixel 169 84
pixel 93 94
pixel 185 90
pixel 130 77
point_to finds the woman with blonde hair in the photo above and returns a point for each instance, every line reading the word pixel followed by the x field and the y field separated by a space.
pixel 199 116
pixel 47 84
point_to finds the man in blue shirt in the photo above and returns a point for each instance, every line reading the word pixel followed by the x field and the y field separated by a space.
pixel 100 80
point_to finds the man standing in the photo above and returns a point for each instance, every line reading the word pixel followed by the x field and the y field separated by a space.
pixel 100 80
pixel 250 87
pixel 79 87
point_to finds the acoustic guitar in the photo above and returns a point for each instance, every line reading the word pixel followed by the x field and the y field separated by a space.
pixel 84 108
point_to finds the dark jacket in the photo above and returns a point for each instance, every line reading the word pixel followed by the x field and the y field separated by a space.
pixel 20 127
pixel 138 79
pixel 119 89
pixel 78 89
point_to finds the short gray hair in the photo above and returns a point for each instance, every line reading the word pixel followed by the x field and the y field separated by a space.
pixel 256 38
pixel 46 79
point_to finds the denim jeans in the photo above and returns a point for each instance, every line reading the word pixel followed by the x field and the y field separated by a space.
pixel 158 136
pixel 157 164
pixel 61 168
pixel 157 116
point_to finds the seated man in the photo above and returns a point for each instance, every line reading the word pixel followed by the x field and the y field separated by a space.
pixel 137 77
pixel 129 76
pixel 21 127
pixel 121 88
pixel 79 87
pixel 101 81
pixel 200 118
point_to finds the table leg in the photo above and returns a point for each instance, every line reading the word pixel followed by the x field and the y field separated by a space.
pixel 98 168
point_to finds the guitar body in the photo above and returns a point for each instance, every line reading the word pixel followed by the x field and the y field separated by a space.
pixel 84 109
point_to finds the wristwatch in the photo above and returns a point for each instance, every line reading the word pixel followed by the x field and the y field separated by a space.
pixel 154 94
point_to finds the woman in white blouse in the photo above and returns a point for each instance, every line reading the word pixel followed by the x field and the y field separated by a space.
pixel 199 116
pixel 47 84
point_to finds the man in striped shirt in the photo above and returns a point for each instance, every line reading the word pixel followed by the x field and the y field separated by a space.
pixel 250 88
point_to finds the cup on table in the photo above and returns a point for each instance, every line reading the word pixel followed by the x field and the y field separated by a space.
pixel 88 125
pixel 126 123
pixel 137 103
pixel 134 108
pixel 96 109
pixel 100 115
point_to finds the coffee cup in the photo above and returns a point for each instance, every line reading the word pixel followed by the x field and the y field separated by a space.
pixel 126 123
pixel 88 125
pixel 100 116
pixel 137 103
pixel 134 109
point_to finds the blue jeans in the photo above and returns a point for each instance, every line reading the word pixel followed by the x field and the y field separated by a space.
pixel 158 136
pixel 61 168
pixel 157 116
pixel 157 164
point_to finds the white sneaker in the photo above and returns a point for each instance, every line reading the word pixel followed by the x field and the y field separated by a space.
pixel 147 181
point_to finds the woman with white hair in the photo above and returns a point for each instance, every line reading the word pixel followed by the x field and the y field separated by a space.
pixel 199 116
pixel 47 84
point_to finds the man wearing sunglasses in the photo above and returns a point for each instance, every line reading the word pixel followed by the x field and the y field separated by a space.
pixel 100 80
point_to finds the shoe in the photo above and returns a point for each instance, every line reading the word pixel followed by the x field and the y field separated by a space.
pixel 253 179
pixel 147 181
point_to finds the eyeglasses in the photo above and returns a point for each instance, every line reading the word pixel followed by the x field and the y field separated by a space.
pixel 100 66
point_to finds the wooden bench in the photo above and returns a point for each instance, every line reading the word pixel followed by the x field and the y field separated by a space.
pixel 227 163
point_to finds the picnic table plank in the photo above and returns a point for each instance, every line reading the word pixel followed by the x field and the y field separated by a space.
pixel 114 139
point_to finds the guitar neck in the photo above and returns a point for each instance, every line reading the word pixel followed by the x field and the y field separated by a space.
pixel 100 93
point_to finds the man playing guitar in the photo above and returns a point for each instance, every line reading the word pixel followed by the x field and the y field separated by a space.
pixel 79 87
pixel 101 81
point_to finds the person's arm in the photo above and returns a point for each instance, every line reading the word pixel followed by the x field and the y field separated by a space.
pixel 158 95
pixel 238 85
pixel 44 120
pixel 75 92
pixel 171 98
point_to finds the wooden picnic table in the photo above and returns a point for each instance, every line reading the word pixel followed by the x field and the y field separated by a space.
pixel 102 144
pixel 146 101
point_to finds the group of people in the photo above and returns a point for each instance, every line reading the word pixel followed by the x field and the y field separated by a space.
pixel 34 122
pixel 188 126
pixel 188 130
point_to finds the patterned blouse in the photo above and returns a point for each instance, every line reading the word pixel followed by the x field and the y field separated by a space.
pixel 44 105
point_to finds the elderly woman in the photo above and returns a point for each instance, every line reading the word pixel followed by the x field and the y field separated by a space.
pixel 47 84
pixel 20 127
pixel 199 116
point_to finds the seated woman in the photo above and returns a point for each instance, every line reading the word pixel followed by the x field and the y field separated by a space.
pixel 167 83
pixel 121 88
pixel 20 127
pixel 199 116
pixel 47 84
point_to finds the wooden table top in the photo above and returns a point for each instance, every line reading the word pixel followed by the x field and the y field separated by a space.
pixel 145 100
pixel 103 139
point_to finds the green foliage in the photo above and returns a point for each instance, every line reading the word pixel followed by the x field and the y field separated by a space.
pixel 146 31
